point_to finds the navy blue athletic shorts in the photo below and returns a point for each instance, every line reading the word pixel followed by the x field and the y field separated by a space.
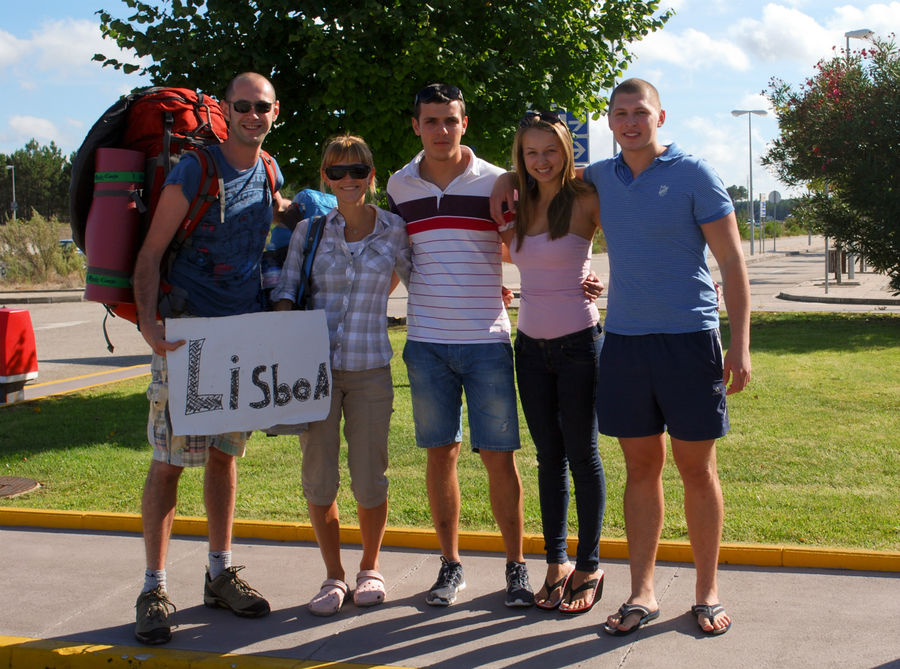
pixel 649 384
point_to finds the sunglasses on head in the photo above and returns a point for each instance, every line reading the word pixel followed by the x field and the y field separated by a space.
pixel 244 106
pixel 439 92
pixel 356 171
pixel 532 116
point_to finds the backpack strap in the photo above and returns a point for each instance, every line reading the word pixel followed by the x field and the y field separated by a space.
pixel 212 188
pixel 269 164
pixel 310 246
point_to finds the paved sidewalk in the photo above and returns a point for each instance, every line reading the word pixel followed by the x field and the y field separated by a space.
pixel 69 596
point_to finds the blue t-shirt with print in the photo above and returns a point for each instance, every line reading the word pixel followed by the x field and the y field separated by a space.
pixel 659 277
pixel 218 266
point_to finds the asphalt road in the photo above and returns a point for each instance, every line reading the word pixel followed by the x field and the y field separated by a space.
pixel 70 343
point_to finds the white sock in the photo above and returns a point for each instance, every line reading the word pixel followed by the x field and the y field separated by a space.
pixel 154 578
pixel 219 561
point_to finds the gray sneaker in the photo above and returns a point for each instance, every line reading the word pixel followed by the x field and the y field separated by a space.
pixel 153 626
pixel 518 589
pixel 449 582
pixel 229 591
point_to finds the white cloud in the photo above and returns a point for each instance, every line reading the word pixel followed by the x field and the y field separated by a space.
pixel 677 5
pixel 30 127
pixel 68 45
pixel 755 101
pixel 783 33
pixel 786 33
pixel 882 18
pixel 12 49
pixel 690 49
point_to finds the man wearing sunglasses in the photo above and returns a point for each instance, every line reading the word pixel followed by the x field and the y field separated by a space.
pixel 458 334
pixel 216 274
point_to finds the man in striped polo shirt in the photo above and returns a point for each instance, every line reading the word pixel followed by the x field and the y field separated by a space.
pixel 458 334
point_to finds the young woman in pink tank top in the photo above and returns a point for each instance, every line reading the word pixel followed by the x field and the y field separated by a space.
pixel 557 350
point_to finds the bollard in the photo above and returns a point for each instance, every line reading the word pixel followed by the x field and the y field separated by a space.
pixel 18 355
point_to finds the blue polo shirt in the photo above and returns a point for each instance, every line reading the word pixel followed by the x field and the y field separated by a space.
pixel 659 278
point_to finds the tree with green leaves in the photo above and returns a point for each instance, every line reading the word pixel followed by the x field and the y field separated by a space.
pixel 737 193
pixel 42 182
pixel 738 196
pixel 356 66
pixel 840 137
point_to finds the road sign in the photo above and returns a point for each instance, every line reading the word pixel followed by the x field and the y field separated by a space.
pixel 580 140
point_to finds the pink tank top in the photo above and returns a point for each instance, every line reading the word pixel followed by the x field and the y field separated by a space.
pixel 553 303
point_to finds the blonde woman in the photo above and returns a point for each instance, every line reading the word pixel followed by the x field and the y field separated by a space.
pixel 352 275
pixel 557 349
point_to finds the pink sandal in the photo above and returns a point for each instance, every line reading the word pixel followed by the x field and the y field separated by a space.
pixel 330 599
pixel 369 588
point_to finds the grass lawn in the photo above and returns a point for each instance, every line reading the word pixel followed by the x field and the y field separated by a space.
pixel 812 458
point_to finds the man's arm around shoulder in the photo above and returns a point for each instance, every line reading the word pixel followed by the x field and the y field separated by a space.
pixel 170 212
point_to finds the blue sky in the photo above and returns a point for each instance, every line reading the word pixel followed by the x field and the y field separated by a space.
pixel 711 57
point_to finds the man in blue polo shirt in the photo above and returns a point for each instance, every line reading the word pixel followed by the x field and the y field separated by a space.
pixel 661 366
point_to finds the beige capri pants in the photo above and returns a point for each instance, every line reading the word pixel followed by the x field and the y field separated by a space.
pixel 365 399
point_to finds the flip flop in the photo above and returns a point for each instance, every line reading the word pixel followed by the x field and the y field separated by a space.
pixel 330 599
pixel 594 584
pixel 710 611
pixel 561 584
pixel 624 611
pixel 369 588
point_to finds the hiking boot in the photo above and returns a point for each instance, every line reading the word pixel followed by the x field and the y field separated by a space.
pixel 229 591
pixel 518 589
pixel 153 626
pixel 449 582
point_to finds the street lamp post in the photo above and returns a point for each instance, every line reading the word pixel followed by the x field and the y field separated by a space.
pixel 862 33
pixel 13 203
pixel 749 113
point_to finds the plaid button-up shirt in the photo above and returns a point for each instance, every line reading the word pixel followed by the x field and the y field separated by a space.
pixel 351 288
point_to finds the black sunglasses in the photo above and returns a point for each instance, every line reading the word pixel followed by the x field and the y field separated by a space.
pixel 531 116
pixel 356 171
pixel 244 106
pixel 439 92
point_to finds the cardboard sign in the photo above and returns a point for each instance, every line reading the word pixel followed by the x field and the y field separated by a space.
pixel 248 372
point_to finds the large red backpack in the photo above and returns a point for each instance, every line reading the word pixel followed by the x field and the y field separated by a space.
pixel 118 174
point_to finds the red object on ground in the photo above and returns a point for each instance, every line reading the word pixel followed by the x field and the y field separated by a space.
pixel 18 355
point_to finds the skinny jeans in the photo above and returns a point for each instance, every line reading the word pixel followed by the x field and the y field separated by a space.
pixel 557 381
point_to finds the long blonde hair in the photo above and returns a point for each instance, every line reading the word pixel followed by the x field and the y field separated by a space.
pixel 560 210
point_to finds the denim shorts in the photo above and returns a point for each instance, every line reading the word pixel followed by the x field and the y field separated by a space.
pixel 655 383
pixel 438 374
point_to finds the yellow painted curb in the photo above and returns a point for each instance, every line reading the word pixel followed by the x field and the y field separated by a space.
pixel 16 652
pixel 760 555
